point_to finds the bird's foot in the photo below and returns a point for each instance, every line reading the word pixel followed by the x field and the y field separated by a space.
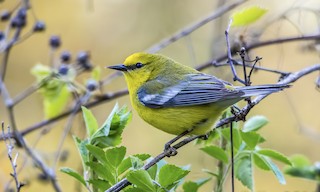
pixel 238 113
pixel 171 151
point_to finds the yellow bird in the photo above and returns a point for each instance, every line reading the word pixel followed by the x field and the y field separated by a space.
pixel 174 98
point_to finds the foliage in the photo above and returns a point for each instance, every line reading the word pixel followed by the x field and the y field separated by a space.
pixel 247 16
pixel 105 162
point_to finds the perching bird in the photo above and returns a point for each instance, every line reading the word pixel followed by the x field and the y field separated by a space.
pixel 174 98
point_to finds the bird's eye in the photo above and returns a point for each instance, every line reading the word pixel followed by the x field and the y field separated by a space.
pixel 139 65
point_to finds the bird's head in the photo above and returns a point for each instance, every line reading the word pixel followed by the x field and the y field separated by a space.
pixel 140 67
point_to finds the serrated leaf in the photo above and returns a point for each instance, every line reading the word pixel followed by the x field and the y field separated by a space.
pixel 255 123
pixel 116 155
pixel 275 155
pixel 247 16
pixel 259 162
pixel 90 121
pixel 97 153
pixel 141 179
pixel 73 174
pixel 103 172
pixel 216 152
pixel 170 174
pixel 110 132
pixel 252 139
pixel 244 171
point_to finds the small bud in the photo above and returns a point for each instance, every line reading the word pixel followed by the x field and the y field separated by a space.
pixel 5 15
pixel 65 56
pixel 2 35
pixel 39 26
pixel 55 41
pixel 92 85
pixel 63 69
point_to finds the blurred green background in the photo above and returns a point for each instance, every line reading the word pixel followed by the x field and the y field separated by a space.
pixel 113 29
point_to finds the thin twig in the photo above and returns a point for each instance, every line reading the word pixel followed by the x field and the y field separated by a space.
pixel 230 60
pixel 261 44
pixel 189 29
pixel 12 160
pixel 232 157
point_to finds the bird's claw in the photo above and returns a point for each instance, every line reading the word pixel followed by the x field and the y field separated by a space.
pixel 171 151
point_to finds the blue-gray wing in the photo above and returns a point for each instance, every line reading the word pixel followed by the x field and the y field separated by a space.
pixel 195 89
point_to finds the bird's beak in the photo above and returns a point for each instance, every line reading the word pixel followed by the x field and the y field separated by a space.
pixel 120 67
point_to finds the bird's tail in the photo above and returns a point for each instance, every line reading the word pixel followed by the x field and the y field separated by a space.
pixel 261 89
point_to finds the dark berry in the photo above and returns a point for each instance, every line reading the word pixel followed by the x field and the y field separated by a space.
pixel 55 41
pixel 39 26
pixel 22 13
pixel 18 22
pixel 63 69
pixel 65 56
pixel 5 15
pixel 83 59
pixel 92 85
pixel 2 35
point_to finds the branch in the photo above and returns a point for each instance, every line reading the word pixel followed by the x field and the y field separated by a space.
pixel 189 29
pixel 244 111
pixel 261 44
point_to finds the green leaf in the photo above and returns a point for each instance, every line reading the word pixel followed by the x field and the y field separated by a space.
pixel 260 162
pixel 302 168
pixel 90 121
pixel 141 179
pixel 276 171
pixel 191 186
pixel 236 136
pixel 55 100
pixel 247 16
pixel 216 152
pixel 110 132
pixel 96 73
pixel 102 185
pixel 252 139
pixel 275 155
pixel 73 174
pixel 299 160
pixel 244 171
pixel 254 123
pixel 153 171
pixel 170 175
pixel 116 155
pixel 97 153
pixel 81 146
pixel 103 172
pixel 135 161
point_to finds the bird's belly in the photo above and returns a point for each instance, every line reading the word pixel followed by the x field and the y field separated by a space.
pixel 175 120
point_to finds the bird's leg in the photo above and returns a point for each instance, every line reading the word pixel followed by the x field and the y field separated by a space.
pixel 172 150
